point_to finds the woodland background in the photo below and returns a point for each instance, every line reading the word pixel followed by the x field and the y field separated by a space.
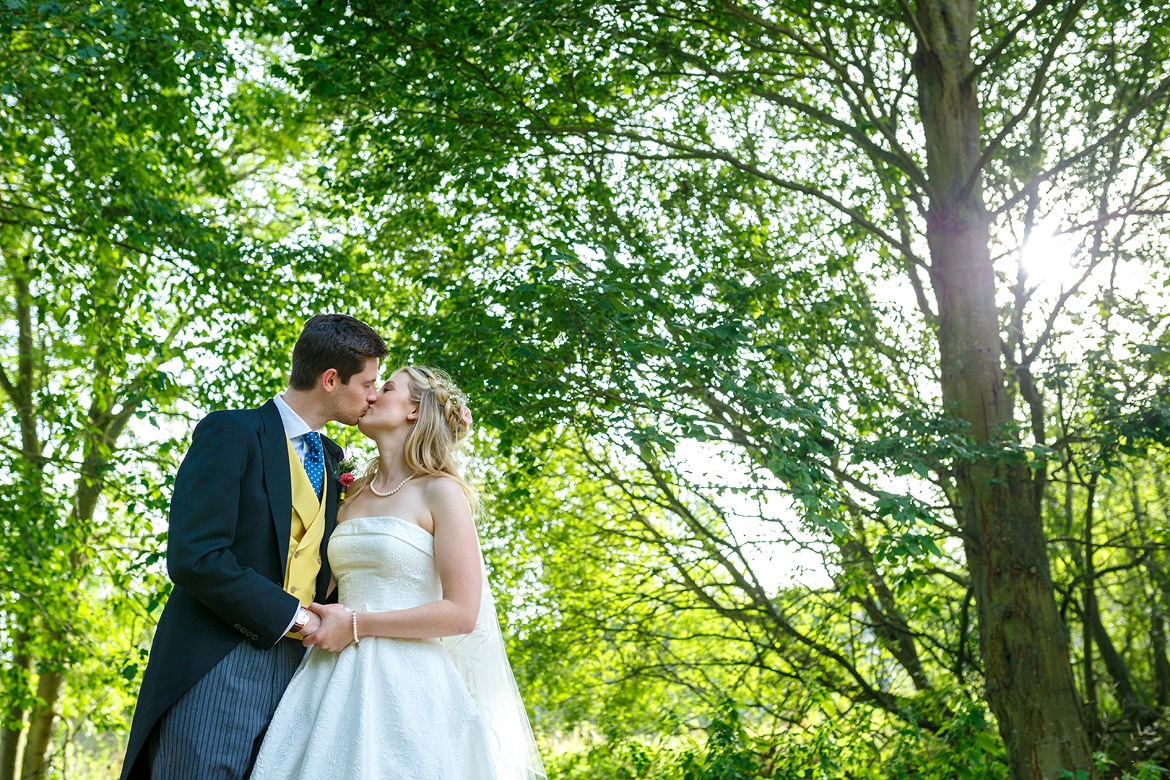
pixel 818 349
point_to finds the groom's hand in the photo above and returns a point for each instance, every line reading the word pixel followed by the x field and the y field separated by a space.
pixel 336 630
pixel 312 626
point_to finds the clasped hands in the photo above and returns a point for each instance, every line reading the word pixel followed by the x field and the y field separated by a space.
pixel 330 627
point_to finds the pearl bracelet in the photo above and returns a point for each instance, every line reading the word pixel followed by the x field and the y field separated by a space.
pixel 356 641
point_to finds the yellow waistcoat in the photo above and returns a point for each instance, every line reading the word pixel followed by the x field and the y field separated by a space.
pixel 305 535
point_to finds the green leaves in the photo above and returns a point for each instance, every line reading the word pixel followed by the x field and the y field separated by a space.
pixel 676 256
pixel 142 284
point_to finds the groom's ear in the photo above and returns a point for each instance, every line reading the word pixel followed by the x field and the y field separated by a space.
pixel 328 380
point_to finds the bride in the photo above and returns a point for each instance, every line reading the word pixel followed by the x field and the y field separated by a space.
pixel 407 677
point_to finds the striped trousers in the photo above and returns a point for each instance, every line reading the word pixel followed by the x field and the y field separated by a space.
pixel 214 730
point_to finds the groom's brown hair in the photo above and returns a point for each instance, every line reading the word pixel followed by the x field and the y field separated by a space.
pixel 335 341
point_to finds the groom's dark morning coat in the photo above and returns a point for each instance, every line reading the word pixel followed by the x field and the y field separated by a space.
pixel 227 546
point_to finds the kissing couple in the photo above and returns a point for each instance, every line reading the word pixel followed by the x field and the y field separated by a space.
pixel 405 676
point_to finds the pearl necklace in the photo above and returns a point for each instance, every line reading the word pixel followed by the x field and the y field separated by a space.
pixel 380 494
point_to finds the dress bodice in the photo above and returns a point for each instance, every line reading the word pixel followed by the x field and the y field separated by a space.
pixel 383 563
pixel 399 709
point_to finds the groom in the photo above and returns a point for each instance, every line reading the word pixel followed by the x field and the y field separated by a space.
pixel 255 500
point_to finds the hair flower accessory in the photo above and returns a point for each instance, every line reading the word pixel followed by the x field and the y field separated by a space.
pixel 466 416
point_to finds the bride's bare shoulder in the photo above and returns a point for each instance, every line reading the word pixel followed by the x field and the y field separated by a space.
pixel 445 498
pixel 442 487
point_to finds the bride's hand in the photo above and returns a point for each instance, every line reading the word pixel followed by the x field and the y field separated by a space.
pixel 336 631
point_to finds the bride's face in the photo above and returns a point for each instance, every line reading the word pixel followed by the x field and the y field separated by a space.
pixel 394 407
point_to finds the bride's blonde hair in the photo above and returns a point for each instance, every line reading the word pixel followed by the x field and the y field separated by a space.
pixel 444 421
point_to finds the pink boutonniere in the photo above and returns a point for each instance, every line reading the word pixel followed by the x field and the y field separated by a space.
pixel 345 480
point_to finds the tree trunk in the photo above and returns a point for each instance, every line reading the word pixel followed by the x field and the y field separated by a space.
pixel 1085 564
pixel 35 763
pixel 1160 604
pixel 1160 664
pixel 1133 707
pixel 1030 686
pixel 1139 714
pixel 10 743
pixel 11 730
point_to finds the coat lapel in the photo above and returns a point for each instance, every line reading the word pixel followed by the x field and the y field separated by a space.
pixel 277 479
pixel 333 455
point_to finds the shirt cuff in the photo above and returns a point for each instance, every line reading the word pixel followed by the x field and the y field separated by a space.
pixel 290 623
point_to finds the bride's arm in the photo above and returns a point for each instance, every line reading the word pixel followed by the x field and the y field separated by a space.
pixel 457 558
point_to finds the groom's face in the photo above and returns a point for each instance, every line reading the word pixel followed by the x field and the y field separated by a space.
pixel 350 401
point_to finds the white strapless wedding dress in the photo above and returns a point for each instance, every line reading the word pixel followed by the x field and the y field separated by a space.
pixel 386 708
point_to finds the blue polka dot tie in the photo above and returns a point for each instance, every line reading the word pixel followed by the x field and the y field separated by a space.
pixel 314 460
